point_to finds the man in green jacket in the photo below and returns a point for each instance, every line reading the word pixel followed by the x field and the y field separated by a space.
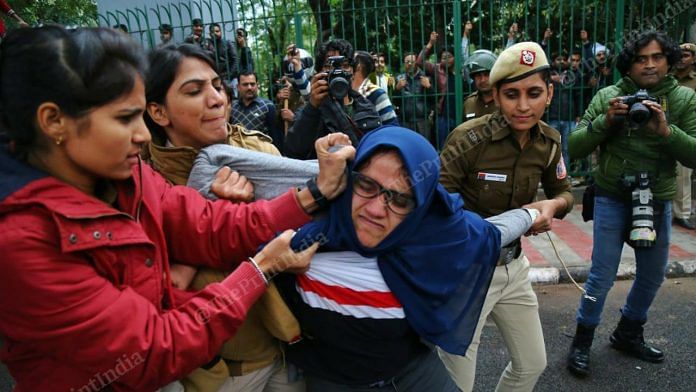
pixel 631 150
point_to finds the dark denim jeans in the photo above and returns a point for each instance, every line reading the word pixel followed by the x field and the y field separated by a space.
pixel 424 373
pixel 444 127
pixel 565 128
pixel 610 219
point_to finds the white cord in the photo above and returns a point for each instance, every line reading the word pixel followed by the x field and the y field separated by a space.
pixel 558 256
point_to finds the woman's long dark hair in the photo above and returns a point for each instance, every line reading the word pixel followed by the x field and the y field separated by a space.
pixel 78 70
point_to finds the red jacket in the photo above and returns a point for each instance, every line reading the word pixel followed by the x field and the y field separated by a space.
pixel 82 284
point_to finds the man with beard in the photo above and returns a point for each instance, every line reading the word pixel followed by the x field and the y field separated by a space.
pixel 481 101
pixel 681 205
pixel 224 53
pixel 255 112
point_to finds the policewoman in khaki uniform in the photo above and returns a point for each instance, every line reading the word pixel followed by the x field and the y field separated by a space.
pixel 481 101
pixel 496 163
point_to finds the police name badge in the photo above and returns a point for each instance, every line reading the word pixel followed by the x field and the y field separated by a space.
pixel 496 177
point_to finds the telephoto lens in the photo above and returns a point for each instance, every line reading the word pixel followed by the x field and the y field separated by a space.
pixel 642 234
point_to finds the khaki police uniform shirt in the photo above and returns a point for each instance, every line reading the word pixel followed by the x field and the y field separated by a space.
pixel 689 81
pixel 483 162
pixel 475 107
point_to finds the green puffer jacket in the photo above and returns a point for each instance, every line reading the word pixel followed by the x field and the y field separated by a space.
pixel 624 152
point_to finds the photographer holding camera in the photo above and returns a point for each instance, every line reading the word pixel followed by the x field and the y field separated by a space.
pixel 643 125
pixel 334 106
pixel 292 89
pixel 296 67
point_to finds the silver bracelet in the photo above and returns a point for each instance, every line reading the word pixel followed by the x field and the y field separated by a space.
pixel 533 213
pixel 258 269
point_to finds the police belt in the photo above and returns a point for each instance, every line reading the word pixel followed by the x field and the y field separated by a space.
pixel 510 252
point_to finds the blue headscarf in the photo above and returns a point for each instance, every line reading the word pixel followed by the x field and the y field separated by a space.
pixel 438 261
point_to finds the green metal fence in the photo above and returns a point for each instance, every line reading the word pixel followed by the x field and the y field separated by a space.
pixel 396 27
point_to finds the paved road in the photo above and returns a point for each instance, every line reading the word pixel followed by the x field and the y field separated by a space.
pixel 671 327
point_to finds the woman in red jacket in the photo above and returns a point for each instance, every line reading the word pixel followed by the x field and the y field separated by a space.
pixel 86 301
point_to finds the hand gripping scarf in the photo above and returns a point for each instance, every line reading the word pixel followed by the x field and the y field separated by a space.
pixel 439 261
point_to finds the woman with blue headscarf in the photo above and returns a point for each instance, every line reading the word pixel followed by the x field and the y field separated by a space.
pixel 401 267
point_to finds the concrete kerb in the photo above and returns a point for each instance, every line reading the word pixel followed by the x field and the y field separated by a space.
pixel 552 275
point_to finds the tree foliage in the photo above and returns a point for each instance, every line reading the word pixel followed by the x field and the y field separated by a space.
pixel 66 12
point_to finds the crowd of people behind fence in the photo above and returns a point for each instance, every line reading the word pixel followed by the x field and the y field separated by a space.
pixel 168 229
pixel 421 91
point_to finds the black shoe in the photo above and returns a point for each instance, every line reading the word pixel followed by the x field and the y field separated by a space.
pixel 578 361
pixel 628 338
pixel 685 223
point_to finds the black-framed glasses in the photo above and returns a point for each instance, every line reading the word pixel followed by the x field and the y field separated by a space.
pixel 399 203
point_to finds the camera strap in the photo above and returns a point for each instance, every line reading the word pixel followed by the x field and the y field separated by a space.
pixel 356 131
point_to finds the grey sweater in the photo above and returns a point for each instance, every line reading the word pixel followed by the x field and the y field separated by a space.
pixel 273 175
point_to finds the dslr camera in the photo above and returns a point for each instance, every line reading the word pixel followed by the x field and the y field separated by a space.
pixel 638 114
pixel 338 78
pixel 642 232
pixel 288 67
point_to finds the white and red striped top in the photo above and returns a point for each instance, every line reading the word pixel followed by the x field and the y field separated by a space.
pixel 349 284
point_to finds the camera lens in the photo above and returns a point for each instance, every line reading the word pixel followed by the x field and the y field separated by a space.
pixel 338 87
pixel 639 114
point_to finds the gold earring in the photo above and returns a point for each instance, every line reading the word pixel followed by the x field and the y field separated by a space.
pixel 59 140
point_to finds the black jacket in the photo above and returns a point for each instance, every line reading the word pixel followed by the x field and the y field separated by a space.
pixel 312 123
pixel 225 56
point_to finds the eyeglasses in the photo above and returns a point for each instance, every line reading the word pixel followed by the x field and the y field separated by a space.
pixel 399 203
pixel 409 62
pixel 446 56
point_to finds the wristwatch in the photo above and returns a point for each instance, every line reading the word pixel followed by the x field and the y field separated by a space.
pixel 319 198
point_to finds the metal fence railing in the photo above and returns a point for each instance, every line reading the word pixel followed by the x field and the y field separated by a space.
pixel 397 27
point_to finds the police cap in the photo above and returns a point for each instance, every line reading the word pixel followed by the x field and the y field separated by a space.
pixel 517 62
pixel 688 46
